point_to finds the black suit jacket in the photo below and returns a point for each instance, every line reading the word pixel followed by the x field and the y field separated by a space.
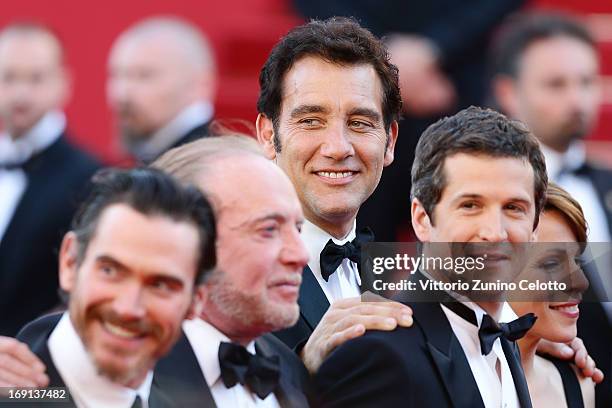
pixel 602 182
pixel 420 366
pixel 29 247
pixel 194 134
pixel 36 335
pixel 180 377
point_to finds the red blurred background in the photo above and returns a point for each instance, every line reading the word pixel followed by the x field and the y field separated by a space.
pixel 242 32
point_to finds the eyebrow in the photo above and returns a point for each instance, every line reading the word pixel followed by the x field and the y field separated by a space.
pixel 478 196
pixel 154 274
pixel 367 112
pixel 306 109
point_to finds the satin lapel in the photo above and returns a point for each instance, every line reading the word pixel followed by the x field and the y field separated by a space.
pixel 312 300
pixel 518 376
pixel 179 377
pixel 286 393
pixel 448 355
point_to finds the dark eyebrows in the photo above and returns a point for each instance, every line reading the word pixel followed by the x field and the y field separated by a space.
pixel 155 275
pixel 107 259
pixel 306 109
pixel 368 113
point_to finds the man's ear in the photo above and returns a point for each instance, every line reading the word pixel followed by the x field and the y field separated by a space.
pixel 392 139
pixel 506 95
pixel 265 135
pixel 68 262
pixel 195 309
pixel 421 223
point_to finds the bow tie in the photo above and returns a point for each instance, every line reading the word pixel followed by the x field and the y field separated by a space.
pixel 260 374
pixel 333 254
pixel 490 330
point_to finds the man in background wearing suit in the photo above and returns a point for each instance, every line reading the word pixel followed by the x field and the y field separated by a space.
pixel 546 70
pixel 161 85
pixel 40 171
pixel 477 178
pixel 140 245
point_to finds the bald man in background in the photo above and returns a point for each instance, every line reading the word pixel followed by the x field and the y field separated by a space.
pixel 161 85
pixel 40 171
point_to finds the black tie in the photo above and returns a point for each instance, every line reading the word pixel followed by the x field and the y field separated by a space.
pixel 333 254
pixel 489 329
pixel 260 374
pixel 137 402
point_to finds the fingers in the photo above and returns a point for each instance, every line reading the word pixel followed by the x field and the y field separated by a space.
pixel 598 376
pixel 559 350
pixel 19 366
pixel 381 309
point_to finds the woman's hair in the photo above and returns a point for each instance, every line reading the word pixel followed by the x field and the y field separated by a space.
pixel 559 200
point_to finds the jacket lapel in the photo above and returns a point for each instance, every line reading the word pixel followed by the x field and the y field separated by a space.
pixel 179 377
pixel 448 356
pixel 288 395
pixel 312 300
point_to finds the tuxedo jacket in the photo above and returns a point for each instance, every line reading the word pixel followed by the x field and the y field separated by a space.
pixel 29 247
pixel 36 335
pixel 420 366
pixel 602 182
pixel 180 377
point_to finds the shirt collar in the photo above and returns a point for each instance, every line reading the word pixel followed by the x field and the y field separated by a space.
pixel 205 340
pixel 315 239
pixel 81 376
pixel 46 131
pixel 189 118
pixel 571 159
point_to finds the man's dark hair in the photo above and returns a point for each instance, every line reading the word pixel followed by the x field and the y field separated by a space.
pixel 338 40
pixel 522 30
pixel 473 131
pixel 150 192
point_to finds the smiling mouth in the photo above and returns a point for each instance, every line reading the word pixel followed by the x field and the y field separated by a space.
pixel 121 332
pixel 335 174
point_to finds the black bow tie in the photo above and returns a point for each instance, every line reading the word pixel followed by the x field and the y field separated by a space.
pixel 137 402
pixel 333 254
pixel 489 329
pixel 260 374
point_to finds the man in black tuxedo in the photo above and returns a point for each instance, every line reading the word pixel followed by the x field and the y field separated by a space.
pixel 328 111
pixel 546 74
pixel 161 84
pixel 480 178
pixel 41 172
pixel 140 245
pixel 255 287
pixel 253 291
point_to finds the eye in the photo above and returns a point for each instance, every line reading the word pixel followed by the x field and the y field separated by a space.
pixel 359 125
pixel 468 205
pixel 108 270
pixel 269 230
pixel 311 122
pixel 515 208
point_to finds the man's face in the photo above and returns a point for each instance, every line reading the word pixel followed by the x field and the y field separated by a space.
pixel 557 92
pixel 131 291
pixel 260 255
pixel 486 199
pixel 32 80
pixel 334 143
pixel 149 83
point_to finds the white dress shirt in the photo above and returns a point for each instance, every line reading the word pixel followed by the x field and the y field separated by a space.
pixel 496 390
pixel 345 281
pixel 189 118
pixel 88 388
pixel 205 340
pixel 581 188
pixel 14 182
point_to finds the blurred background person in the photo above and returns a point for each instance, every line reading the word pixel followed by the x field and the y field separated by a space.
pixel 546 74
pixel 439 48
pixel 552 381
pixel 160 86
pixel 40 171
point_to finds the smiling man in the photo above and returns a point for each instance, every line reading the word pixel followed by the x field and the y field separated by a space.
pixel 328 111
pixel 138 247
pixel 478 178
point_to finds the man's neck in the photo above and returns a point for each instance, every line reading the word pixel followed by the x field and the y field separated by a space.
pixel 338 228
pixel 225 325
pixel 493 309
